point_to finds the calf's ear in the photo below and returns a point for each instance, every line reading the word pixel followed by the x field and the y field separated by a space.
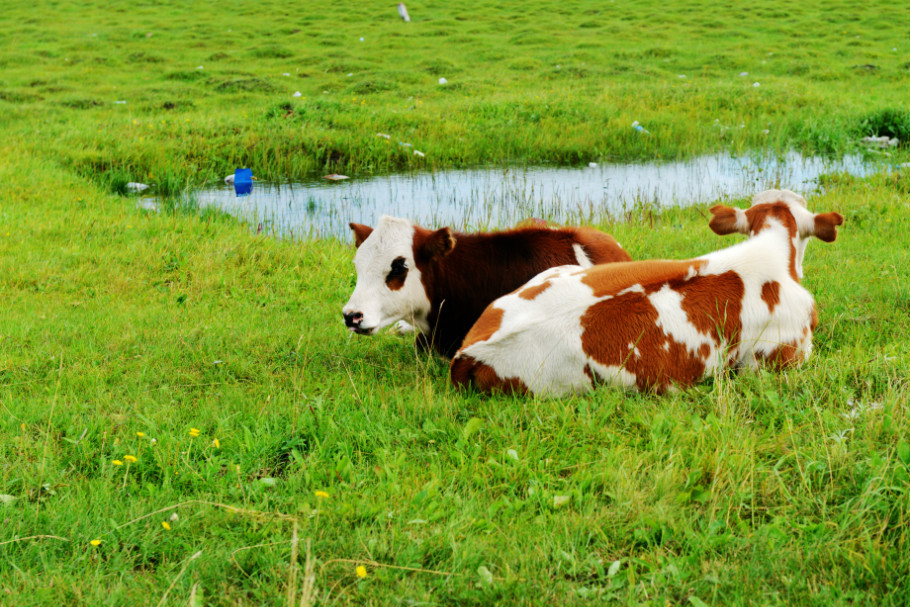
pixel 361 233
pixel 726 220
pixel 826 226
pixel 431 245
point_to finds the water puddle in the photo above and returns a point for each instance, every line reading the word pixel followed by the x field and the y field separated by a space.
pixel 488 198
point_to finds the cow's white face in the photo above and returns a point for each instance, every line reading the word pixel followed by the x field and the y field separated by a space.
pixel 389 288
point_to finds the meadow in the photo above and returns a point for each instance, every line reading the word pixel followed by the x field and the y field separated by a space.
pixel 185 421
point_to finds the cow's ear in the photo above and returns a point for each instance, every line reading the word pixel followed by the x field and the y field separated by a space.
pixel 727 220
pixel 826 226
pixel 361 233
pixel 436 244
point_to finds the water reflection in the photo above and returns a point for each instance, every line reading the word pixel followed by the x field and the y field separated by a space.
pixel 486 198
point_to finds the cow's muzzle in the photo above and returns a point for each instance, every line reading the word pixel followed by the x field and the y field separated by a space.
pixel 353 321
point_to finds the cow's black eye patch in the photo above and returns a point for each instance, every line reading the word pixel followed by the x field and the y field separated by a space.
pixel 397 273
pixel 399 266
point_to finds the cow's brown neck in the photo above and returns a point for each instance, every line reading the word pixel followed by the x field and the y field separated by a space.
pixel 481 268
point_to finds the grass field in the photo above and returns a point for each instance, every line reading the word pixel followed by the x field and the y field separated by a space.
pixel 175 363
pixel 205 88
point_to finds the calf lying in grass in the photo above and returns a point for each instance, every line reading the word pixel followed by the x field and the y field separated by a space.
pixel 440 281
pixel 655 325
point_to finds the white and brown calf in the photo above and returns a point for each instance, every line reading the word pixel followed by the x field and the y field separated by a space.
pixel 656 325
pixel 440 281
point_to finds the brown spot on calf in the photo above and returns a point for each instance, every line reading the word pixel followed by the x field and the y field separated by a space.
pixel 651 275
pixel 486 325
pixel 770 294
pixel 466 371
pixel 785 355
pixel 530 293
pixel 713 304
pixel 612 325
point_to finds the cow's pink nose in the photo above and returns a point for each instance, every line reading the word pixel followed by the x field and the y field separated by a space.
pixel 352 320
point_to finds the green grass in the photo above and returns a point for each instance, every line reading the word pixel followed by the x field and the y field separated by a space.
pixel 550 83
pixel 769 489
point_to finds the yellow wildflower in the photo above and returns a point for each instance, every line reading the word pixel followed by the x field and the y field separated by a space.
pixel 131 458
pixel 140 434
pixel 216 443
pixel 117 462
pixel 194 432
pixel 166 525
pixel 361 571
pixel 322 494
pixel 95 542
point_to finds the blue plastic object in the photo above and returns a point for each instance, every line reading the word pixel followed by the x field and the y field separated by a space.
pixel 243 182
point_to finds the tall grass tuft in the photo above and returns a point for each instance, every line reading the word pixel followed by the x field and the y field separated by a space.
pixel 170 183
pixel 115 181
pixel 888 122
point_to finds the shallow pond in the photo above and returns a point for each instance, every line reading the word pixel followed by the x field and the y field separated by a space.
pixel 487 198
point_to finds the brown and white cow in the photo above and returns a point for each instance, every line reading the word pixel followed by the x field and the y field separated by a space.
pixel 657 325
pixel 440 281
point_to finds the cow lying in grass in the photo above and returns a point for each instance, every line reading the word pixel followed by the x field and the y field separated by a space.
pixel 440 281
pixel 656 325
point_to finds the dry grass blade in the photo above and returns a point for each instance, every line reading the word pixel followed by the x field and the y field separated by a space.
pixel 292 570
pixel 177 579
pixel 308 592
pixel 383 566
pixel 35 537
pixel 227 507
